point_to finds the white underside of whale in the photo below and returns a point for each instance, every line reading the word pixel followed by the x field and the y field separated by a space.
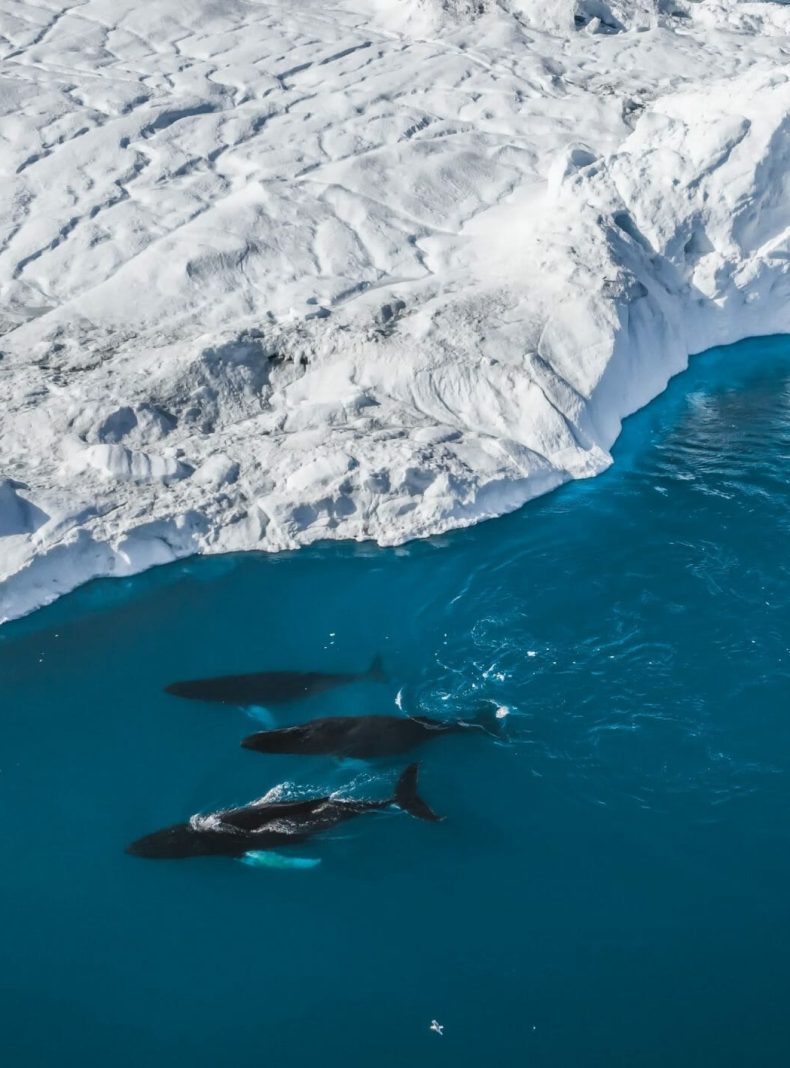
pixel 260 858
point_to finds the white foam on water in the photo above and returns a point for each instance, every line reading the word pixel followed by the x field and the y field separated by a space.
pixel 211 821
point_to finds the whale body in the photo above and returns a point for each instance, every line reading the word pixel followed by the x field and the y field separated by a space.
pixel 264 825
pixel 360 737
pixel 270 687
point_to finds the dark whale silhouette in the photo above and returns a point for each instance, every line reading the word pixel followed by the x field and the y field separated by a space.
pixel 270 687
pixel 264 825
pixel 362 737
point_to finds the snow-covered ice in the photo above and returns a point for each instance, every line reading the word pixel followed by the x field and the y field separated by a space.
pixel 273 272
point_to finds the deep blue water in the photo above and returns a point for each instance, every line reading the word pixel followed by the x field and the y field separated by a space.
pixel 610 887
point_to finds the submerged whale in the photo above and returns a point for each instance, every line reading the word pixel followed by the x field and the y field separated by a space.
pixel 270 687
pixel 362 737
pixel 265 825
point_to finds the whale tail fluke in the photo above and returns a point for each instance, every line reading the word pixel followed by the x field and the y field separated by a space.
pixel 407 798
pixel 376 672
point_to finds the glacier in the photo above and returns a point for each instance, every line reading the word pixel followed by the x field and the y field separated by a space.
pixel 368 269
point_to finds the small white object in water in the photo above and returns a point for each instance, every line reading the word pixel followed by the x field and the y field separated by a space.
pixel 502 712
pixel 437 1027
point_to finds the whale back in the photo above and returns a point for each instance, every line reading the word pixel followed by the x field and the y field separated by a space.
pixel 257 816
pixel 359 737
pixel 269 687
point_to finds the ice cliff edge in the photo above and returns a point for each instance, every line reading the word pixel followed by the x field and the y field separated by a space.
pixel 360 270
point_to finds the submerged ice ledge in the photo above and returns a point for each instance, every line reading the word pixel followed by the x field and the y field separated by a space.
pixel 368 270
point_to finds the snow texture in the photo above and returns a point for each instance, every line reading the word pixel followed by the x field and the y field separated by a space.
pixel 274 272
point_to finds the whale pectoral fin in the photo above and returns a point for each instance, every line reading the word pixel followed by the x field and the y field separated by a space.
pixel 262 858
pixel 262 715
pixel 352 764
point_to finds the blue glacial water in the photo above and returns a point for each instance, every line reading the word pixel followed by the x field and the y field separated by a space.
pixel 610 888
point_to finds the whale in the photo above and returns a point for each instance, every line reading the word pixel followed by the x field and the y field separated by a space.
pixel 362 737
pixel 262 825
pixel 270 687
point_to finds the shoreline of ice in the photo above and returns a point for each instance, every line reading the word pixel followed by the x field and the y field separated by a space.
pixel 366 270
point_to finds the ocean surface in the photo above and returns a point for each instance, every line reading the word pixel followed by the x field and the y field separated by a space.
pixel 611 885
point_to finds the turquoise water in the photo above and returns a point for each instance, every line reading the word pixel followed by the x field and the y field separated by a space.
pixel 610 887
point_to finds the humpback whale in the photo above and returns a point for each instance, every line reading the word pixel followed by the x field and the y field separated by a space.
pixel 264 825
pixel 362 737
pixel 270 687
